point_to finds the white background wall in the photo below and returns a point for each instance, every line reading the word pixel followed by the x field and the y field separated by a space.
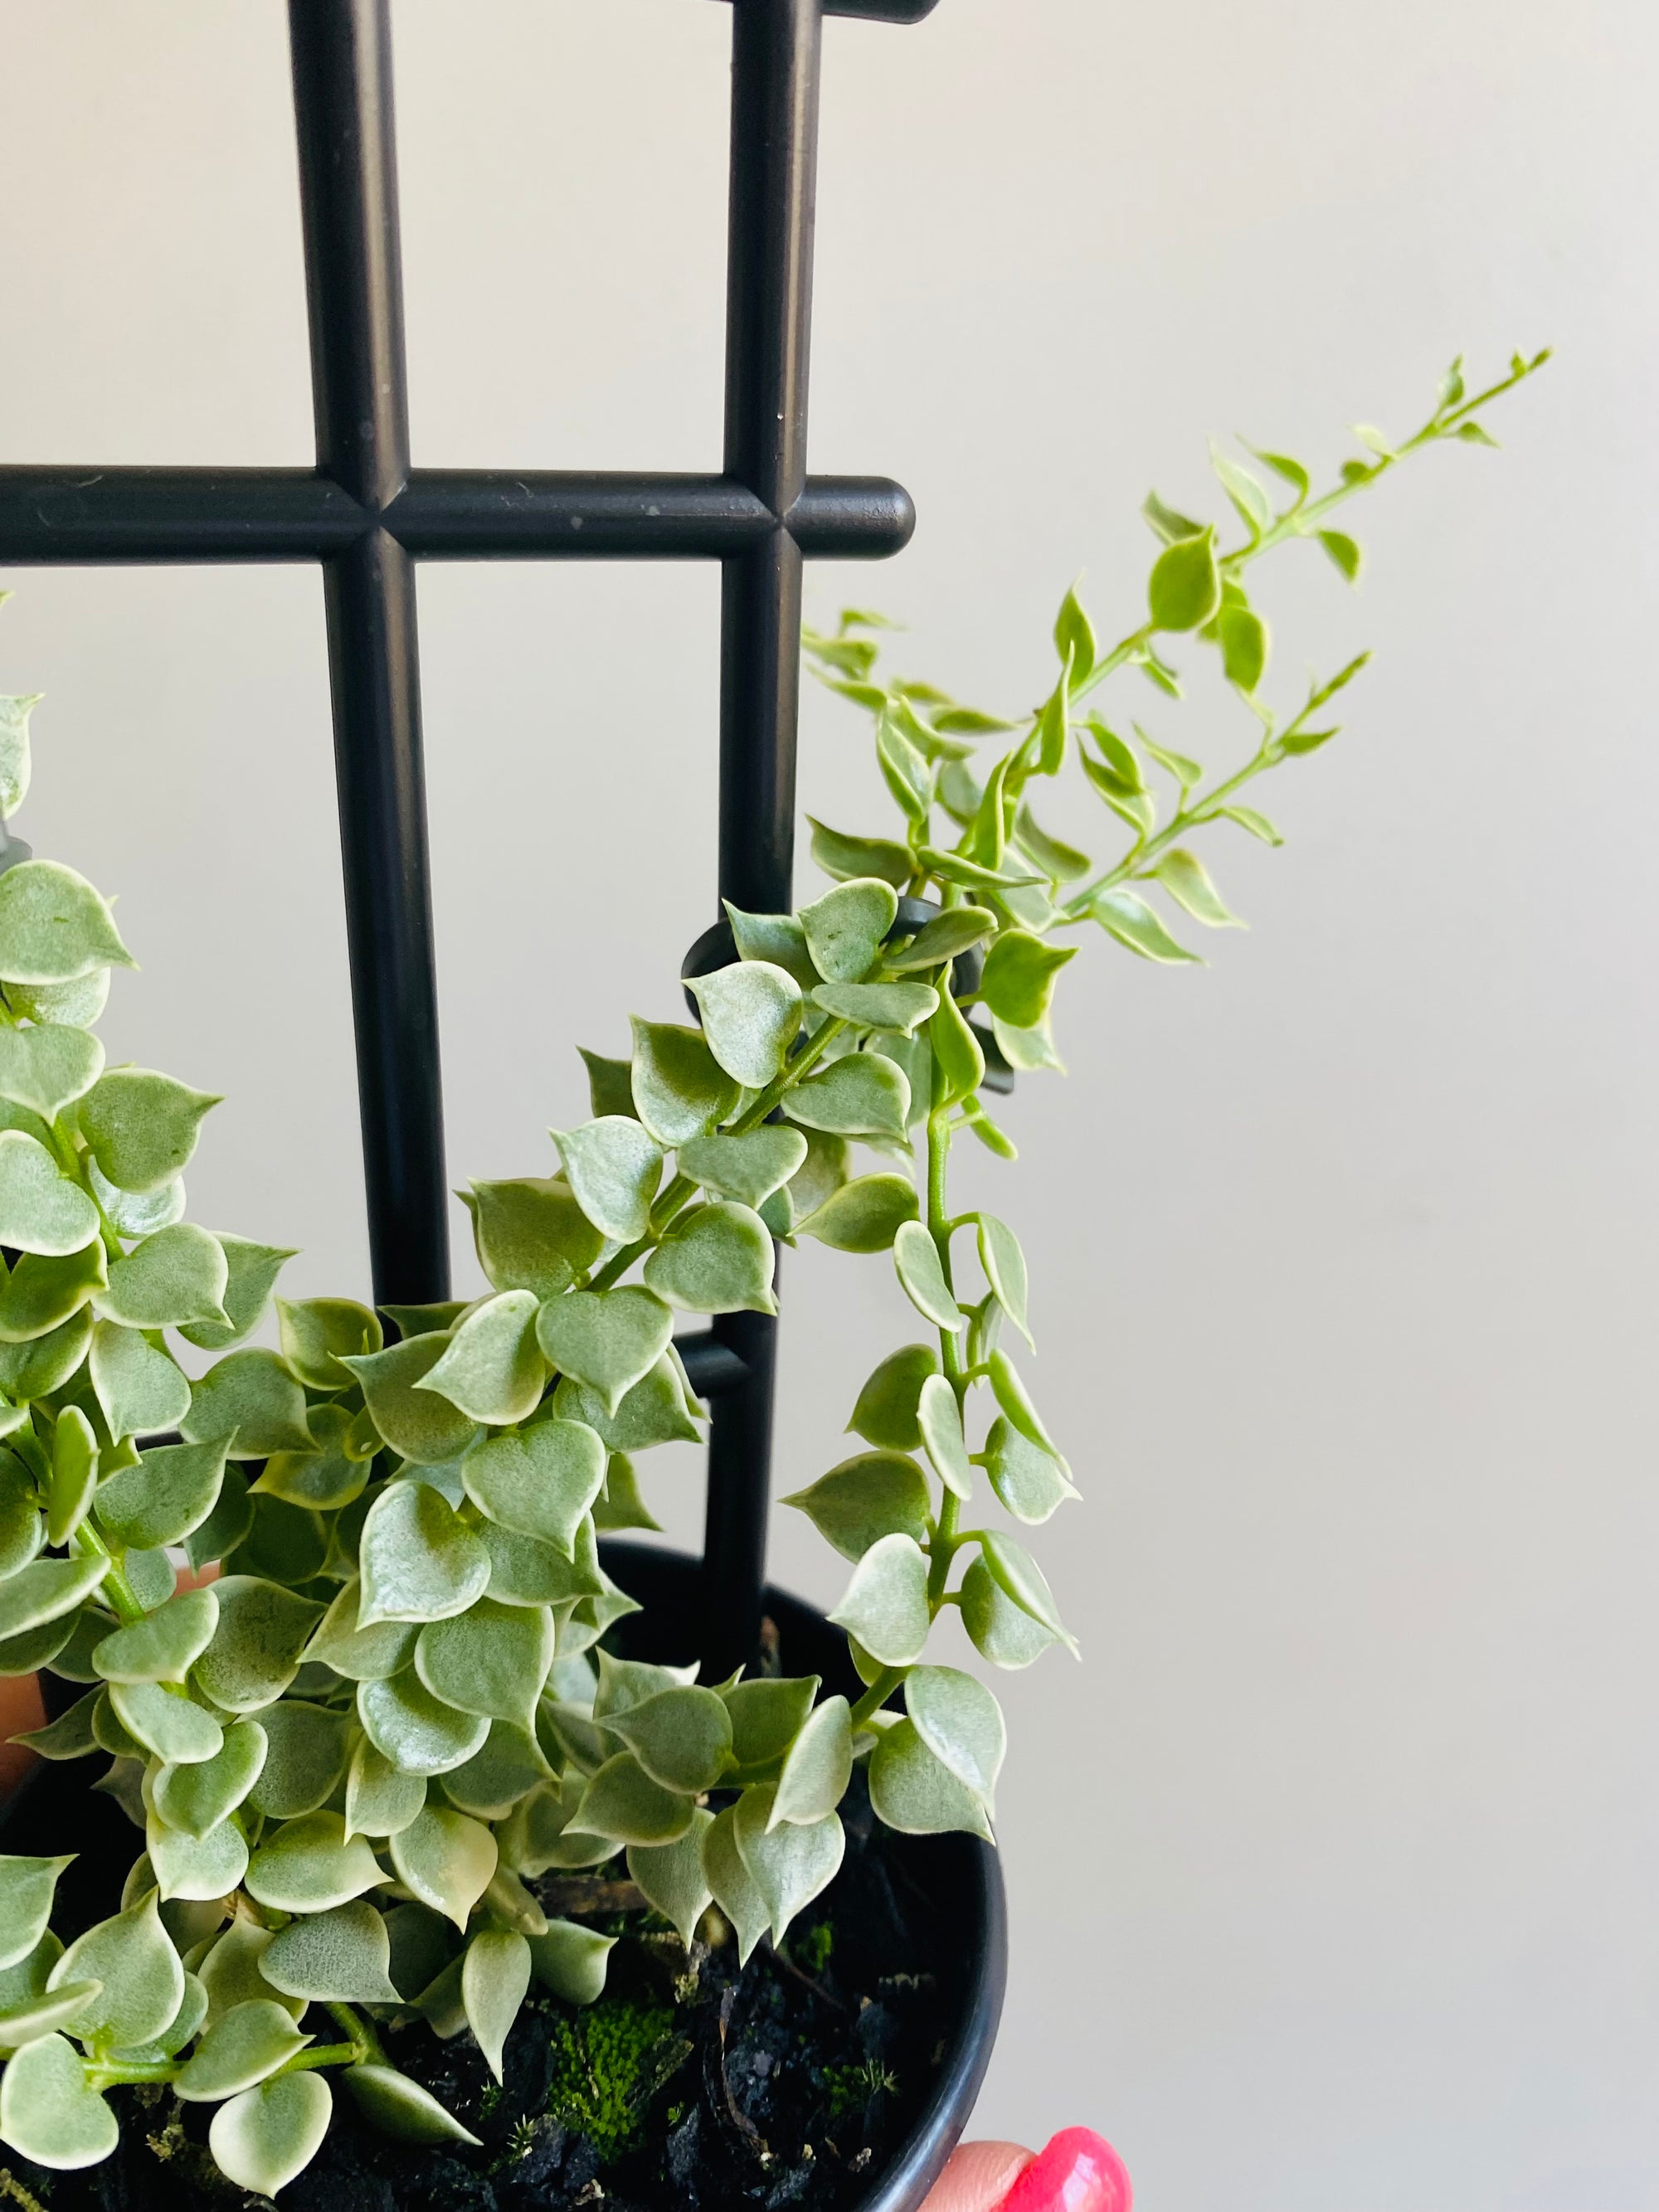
pixel 1333 1868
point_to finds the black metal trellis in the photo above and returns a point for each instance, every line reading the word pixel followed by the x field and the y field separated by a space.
pixel 367 516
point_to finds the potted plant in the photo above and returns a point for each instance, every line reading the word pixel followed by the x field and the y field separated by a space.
pixel 420 1868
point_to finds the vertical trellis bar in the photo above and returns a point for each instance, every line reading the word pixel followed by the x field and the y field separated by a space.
pixel 342 57
pixel 774 92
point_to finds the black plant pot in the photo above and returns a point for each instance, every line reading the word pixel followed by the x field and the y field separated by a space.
pixel 57 1810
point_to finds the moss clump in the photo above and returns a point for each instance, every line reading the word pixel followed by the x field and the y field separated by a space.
pixel 609 2060
pixel 851 2088
pixel 813 1949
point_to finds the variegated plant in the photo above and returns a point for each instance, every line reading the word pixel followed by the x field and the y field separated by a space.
pixel 356 1754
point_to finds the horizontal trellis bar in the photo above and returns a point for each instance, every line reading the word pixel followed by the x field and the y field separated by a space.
pixel 80 515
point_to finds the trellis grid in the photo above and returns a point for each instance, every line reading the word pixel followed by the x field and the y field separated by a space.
pixel 368 516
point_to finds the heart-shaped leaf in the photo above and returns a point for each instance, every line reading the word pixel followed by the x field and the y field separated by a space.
pixel 172 1728
pixel 717 1259
pixel 680 1090
pixel 262 2138
pixel 177 1276
pixel 897 1008
pixel 817 1769
pixel 622 1803
pixel 682 1737
pixel 142 1127
pixel 571 1961
pixel 735 1889
pixel 48 2110
pixel 252 1271
pixel 255 1654
pixel 337 1957
pixel 139 1389
pixel 143 1984
pixel 381 1798
pixel 415 1730
pixel 165 1644
pixel 939 1418
pixel 494 1978
pixel 492 1369
pixel 875 1495
pixel 446 1860
pixel 606 1338
pixel 54 927
pixel 418 1561
pixel 916 1262
pixel 751 1013
pixel 196 1867
pixel 45 1067
pixel 252 1399
pixel 864 1094
pixel 863 1215
pixel 671 1878
pixel 361 1654
pixel 961 1723
pixel 195 1799
pixel 789 1865
pixel 245 2045
pixel 885 1605
pixel 748 1168
pixel 26 1885
pixel 492 1659
pixel 306 1760
pixel 614 1167
pixel 845 929
pixel 530 1234
pixel 421 1425
pixel 40 1210
pixel 307 1866
pixel 538 1482
pixel 171 1491
pixel 401 2108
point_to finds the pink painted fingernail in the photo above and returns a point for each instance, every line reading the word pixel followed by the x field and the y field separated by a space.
pixel 1077 2170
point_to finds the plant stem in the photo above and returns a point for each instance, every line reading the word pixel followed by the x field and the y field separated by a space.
pixel 365 2042
pixel 124 1600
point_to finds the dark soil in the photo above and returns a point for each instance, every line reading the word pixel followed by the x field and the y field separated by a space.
pixel 689 2084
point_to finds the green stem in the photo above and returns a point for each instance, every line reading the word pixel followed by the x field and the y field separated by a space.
pixel 942 1543
pixel 325 2054
pixel 158 2070
pixel 365 2042
pixel 878 1694
pixel 124 1600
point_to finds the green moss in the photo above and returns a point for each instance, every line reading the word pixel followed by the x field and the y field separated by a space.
pixel 850 2089
pixel 609 2060
pixel 814 1947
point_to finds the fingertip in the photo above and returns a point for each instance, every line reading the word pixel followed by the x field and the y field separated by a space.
pixel 978 2177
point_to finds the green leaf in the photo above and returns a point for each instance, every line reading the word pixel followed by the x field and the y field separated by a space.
pixel 958 1061
pixel 42 1294
pixel 172 1491
pixel 27 1886
pixel 748 1168
pixel 614 1167
pixel 954 931
pixel 652 1412
pixel 1012 1395
pixel 777 938
pixel 885 1604
pixel 45 2016
pixel 624 1804
pixel 1344 555
pixel 229 1970
pixel 74 1473
pixel 249 2043
pixel 1126 916
pixel 789 1864
pixel 897 1008
pixel 1257 824
pixel 175 1729
pixel 262 2138
pixel 446 1860
pixel 54 927
pixel 361 1654
pixel 1030 1481
pixel 40 1210
pixel 46 1067
pixel 682 1737
pixel 14 748
pixel 986 839
pixel 43 1363
pixel 139 1389
pixel 78 1004
pixel 1246 492
pixel 885 1414
pixel 904 770
pixel 1074 638
pixel 165 1644
pixel 48 2110
pixel 493 1370
pixel 1019 976
pixel 606 1338
pixel 192 1868
pixel 507 1765
pixel 1184 589
pixel 863 1215
pixel 494 1979
pixel 845 857
pixel 415 1731
pixel 401 2108
pixel 914 1792
pixel 418 1561
pixel 1059 862
pixel 751 1013
pixel 142 1127
pixel 1004 1263
pixel 381 1798
pixel 133 1957
pixel 680 1090
pixel 735 1889
pixel 863 1094
pixel 940 1418
pixel 195 1799
pixel 44 1590
pixel 20 1527
pixel 177 1276
pixel 1020 1579
pixel 619 1504
pixel 957 868
pixel 308 1865
pixel 491 1660
pixel 768 1714
pixel 1282 465
pixel 845 928
pixel 340 1956
pixel 421 1424
pixel 610 1091
pixel 306 1763
pixel 1187 880
pixel 961 1723
pixel 530 1234
pixel 671 1878
pixel 969 721
pixel 1243 637
pixel 253 1272
pixel 263 1630
pixel 539 1483
pixel 34 1648
pixel 921 1277
pixel 816 1769
pixel 315 1330
pixel 249 1399
pixel 1166 523
pixel 716 1259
